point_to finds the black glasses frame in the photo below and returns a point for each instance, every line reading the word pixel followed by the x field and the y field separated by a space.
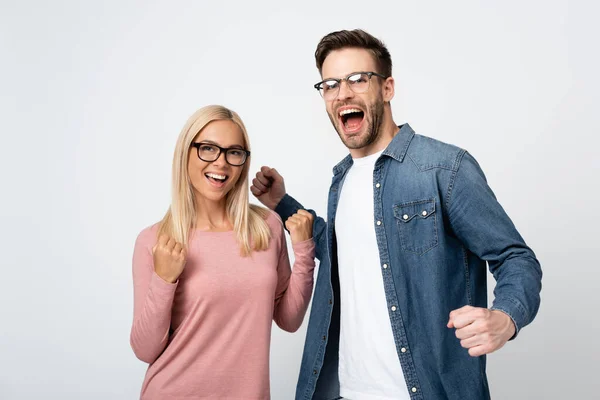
pixel 340 80
pixel 221 150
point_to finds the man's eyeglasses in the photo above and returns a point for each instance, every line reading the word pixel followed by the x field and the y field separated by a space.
pixel 358 82
pixel 210 152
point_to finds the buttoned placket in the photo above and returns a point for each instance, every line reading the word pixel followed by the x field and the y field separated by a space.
pixel 401 342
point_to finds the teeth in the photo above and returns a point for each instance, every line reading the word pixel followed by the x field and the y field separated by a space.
pixel 349 111
pixel 215 176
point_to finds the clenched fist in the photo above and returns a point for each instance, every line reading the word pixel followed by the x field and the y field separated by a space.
pixel 268 187
pixel 169 258
pixel 480 330
pixel 300 226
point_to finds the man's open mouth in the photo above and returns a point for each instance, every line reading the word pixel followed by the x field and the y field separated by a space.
pixel 351 119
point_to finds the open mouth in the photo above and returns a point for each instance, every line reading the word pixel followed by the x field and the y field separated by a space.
pixel 351 119
pixel 216 179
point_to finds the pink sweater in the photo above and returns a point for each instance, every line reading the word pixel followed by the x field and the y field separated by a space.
pixel 208 335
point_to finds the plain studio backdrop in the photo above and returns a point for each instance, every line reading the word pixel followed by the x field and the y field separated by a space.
pixel 94 94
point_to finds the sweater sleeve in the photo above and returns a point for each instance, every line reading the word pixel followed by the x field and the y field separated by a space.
pixel 152 302
pixel 294 287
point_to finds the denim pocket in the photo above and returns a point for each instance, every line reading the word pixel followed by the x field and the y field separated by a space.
pixel 417 225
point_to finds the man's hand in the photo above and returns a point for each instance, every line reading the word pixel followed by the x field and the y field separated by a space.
pixel 300 226
pixel 480 330
pixel 268 187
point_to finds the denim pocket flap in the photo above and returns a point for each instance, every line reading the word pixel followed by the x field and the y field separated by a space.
pixel 405 212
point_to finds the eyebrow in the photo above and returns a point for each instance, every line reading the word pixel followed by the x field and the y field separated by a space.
pixel 235 146
pixel 345 76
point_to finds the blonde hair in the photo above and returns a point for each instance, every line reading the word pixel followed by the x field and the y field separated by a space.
pixel 248 220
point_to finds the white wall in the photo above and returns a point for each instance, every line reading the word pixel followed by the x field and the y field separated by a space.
pixel 94 94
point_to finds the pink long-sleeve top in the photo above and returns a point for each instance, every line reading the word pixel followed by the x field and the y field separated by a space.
pixel 208 335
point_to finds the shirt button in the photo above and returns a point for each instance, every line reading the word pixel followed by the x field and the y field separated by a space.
pixel 330 301
pixel 414 390
pixel 393 308
pixel 324 337
pixel 377 185
pixel 403 350
pixel 384 266
pixel 378 222
pixel 405 217
pixel 424 213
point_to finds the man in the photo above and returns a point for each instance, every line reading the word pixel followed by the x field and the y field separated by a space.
pixel 400 304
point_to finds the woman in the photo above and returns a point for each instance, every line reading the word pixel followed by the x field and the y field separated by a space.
pixel 212 275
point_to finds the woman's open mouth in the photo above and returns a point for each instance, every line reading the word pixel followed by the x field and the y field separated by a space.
pixel 216 180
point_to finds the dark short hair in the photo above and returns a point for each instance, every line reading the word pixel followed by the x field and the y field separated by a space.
pixel 356 38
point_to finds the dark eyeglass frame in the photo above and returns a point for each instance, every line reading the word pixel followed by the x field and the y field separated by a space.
pixel 339 81
pixel 197 145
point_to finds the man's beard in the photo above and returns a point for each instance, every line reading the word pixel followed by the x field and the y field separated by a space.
pixel 373 130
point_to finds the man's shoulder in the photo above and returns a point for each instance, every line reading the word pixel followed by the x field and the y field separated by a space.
pixel 429 153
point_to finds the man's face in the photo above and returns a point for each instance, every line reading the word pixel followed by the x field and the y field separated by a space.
pixel 356 117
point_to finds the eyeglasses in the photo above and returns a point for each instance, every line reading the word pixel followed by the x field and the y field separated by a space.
pixel 210 152
pixel 358 82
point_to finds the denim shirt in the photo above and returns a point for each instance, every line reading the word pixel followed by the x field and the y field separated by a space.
pixel 437 223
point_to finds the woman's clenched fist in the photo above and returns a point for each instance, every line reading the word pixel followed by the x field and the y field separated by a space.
pixel 300 226
pixel 169 258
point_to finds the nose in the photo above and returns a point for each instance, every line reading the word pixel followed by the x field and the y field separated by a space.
pixel 345 92
pixel 220 160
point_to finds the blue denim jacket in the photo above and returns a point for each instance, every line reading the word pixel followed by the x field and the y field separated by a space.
pixel 437 223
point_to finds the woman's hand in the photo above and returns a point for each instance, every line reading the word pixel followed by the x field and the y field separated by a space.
pixel 169 258
pixel 300 226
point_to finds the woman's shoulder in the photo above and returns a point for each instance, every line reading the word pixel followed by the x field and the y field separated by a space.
pixel 147 236
pixel 271 217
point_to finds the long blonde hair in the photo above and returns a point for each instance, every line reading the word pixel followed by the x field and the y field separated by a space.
pixel 248 220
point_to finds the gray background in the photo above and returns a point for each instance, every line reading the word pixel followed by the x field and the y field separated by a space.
pixel 94 94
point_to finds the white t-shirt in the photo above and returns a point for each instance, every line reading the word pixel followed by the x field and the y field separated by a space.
pixel 369 368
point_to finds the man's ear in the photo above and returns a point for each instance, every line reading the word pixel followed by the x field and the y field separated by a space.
pixel 389 89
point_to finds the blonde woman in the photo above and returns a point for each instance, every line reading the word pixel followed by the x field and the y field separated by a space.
pixel 210 278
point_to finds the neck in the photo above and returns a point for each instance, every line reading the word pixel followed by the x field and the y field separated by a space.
pixel 212 215
pixel 387 130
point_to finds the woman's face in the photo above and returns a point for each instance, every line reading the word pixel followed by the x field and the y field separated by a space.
pixel 212 180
